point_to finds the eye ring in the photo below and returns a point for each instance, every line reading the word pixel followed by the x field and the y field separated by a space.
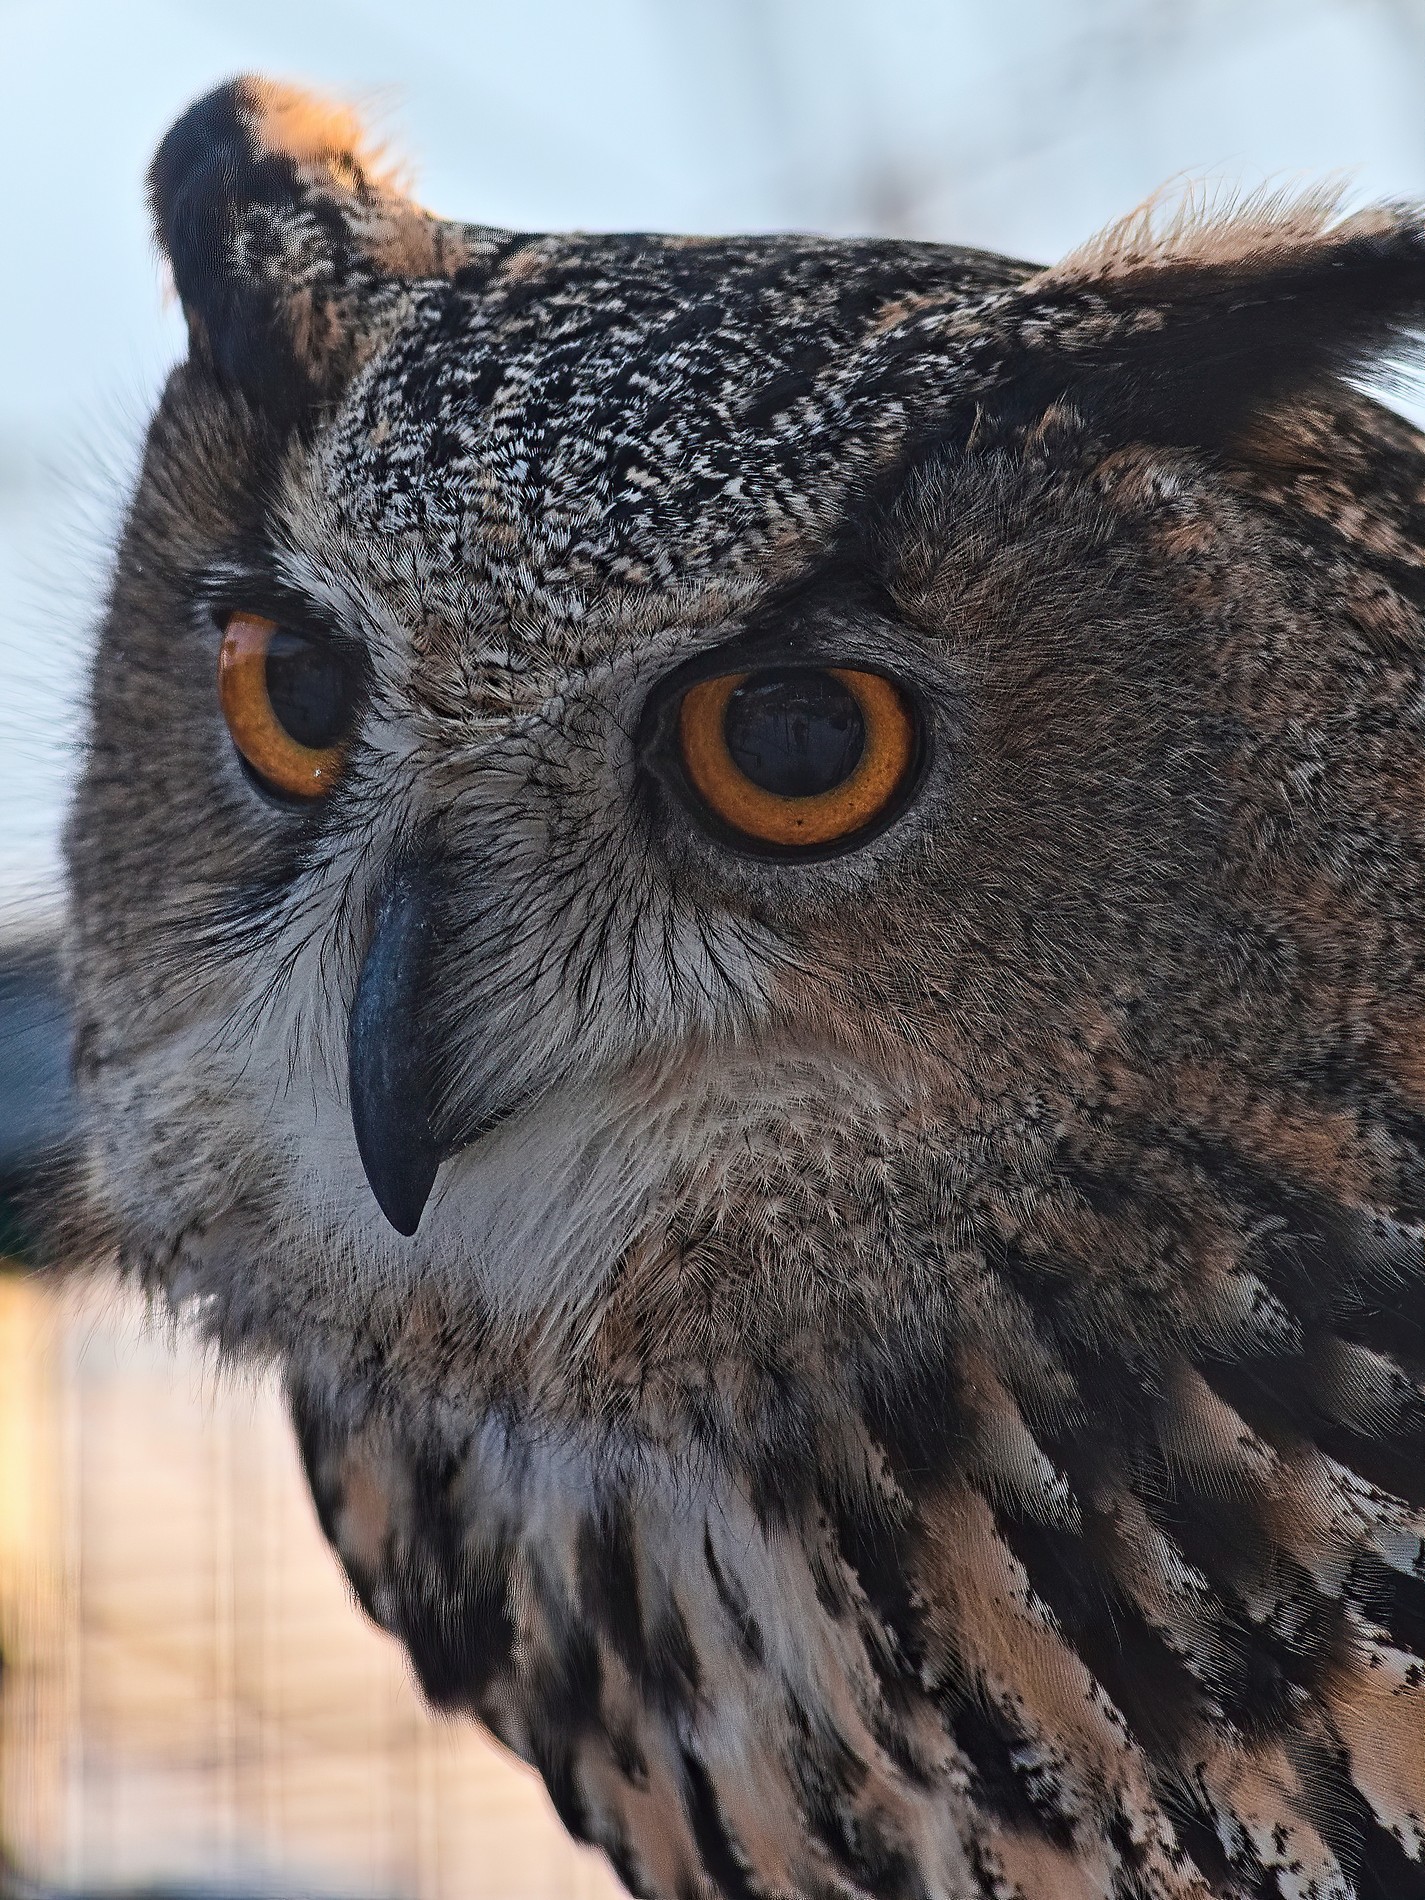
pixel 284 763
pixel 834 816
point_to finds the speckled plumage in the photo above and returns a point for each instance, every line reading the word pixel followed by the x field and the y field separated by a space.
pixel 910 1380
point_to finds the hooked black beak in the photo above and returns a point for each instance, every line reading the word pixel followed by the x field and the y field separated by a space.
pixel 390 1069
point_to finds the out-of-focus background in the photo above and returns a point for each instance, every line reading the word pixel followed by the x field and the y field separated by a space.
pixel 189 1701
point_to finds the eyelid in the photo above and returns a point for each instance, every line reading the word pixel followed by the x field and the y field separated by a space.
pixel 228 595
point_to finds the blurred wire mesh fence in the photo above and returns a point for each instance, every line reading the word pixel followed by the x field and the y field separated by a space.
pixel 190 1696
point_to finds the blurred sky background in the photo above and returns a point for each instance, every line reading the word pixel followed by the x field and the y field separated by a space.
pixel 1021 125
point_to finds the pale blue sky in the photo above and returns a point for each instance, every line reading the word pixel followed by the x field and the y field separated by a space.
pixel 1021 125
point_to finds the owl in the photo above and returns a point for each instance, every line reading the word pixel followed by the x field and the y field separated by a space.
pixel 758 906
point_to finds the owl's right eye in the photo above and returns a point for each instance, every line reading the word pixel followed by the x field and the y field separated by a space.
pixel 288 701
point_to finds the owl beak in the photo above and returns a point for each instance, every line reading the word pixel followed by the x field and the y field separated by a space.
pixel 391 1082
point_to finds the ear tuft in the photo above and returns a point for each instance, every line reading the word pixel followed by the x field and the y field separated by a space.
pixel 1192 227
pixel 287 232
pixel 312 131
pixel 1185 324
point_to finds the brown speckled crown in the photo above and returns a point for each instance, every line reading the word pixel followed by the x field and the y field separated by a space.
pixel 910 1383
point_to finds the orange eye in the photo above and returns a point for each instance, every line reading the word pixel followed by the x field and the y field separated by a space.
pixel 797 756
pixel 288 703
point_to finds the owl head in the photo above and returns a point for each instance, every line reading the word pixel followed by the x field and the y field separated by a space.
pixel 655 797
pixel 804 859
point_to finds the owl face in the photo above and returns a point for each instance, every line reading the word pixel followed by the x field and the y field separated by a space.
pixel 666 771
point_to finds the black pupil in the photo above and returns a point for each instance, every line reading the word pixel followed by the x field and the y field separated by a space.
pixel 309 688
pixel 795 733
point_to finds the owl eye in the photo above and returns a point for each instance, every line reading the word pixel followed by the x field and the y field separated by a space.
pixel 288 702
pixel 797 756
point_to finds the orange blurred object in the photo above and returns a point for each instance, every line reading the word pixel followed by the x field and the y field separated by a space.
pixel 191 1695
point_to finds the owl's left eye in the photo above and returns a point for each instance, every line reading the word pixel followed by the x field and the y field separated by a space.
pixel 288 702
pixel 798 758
